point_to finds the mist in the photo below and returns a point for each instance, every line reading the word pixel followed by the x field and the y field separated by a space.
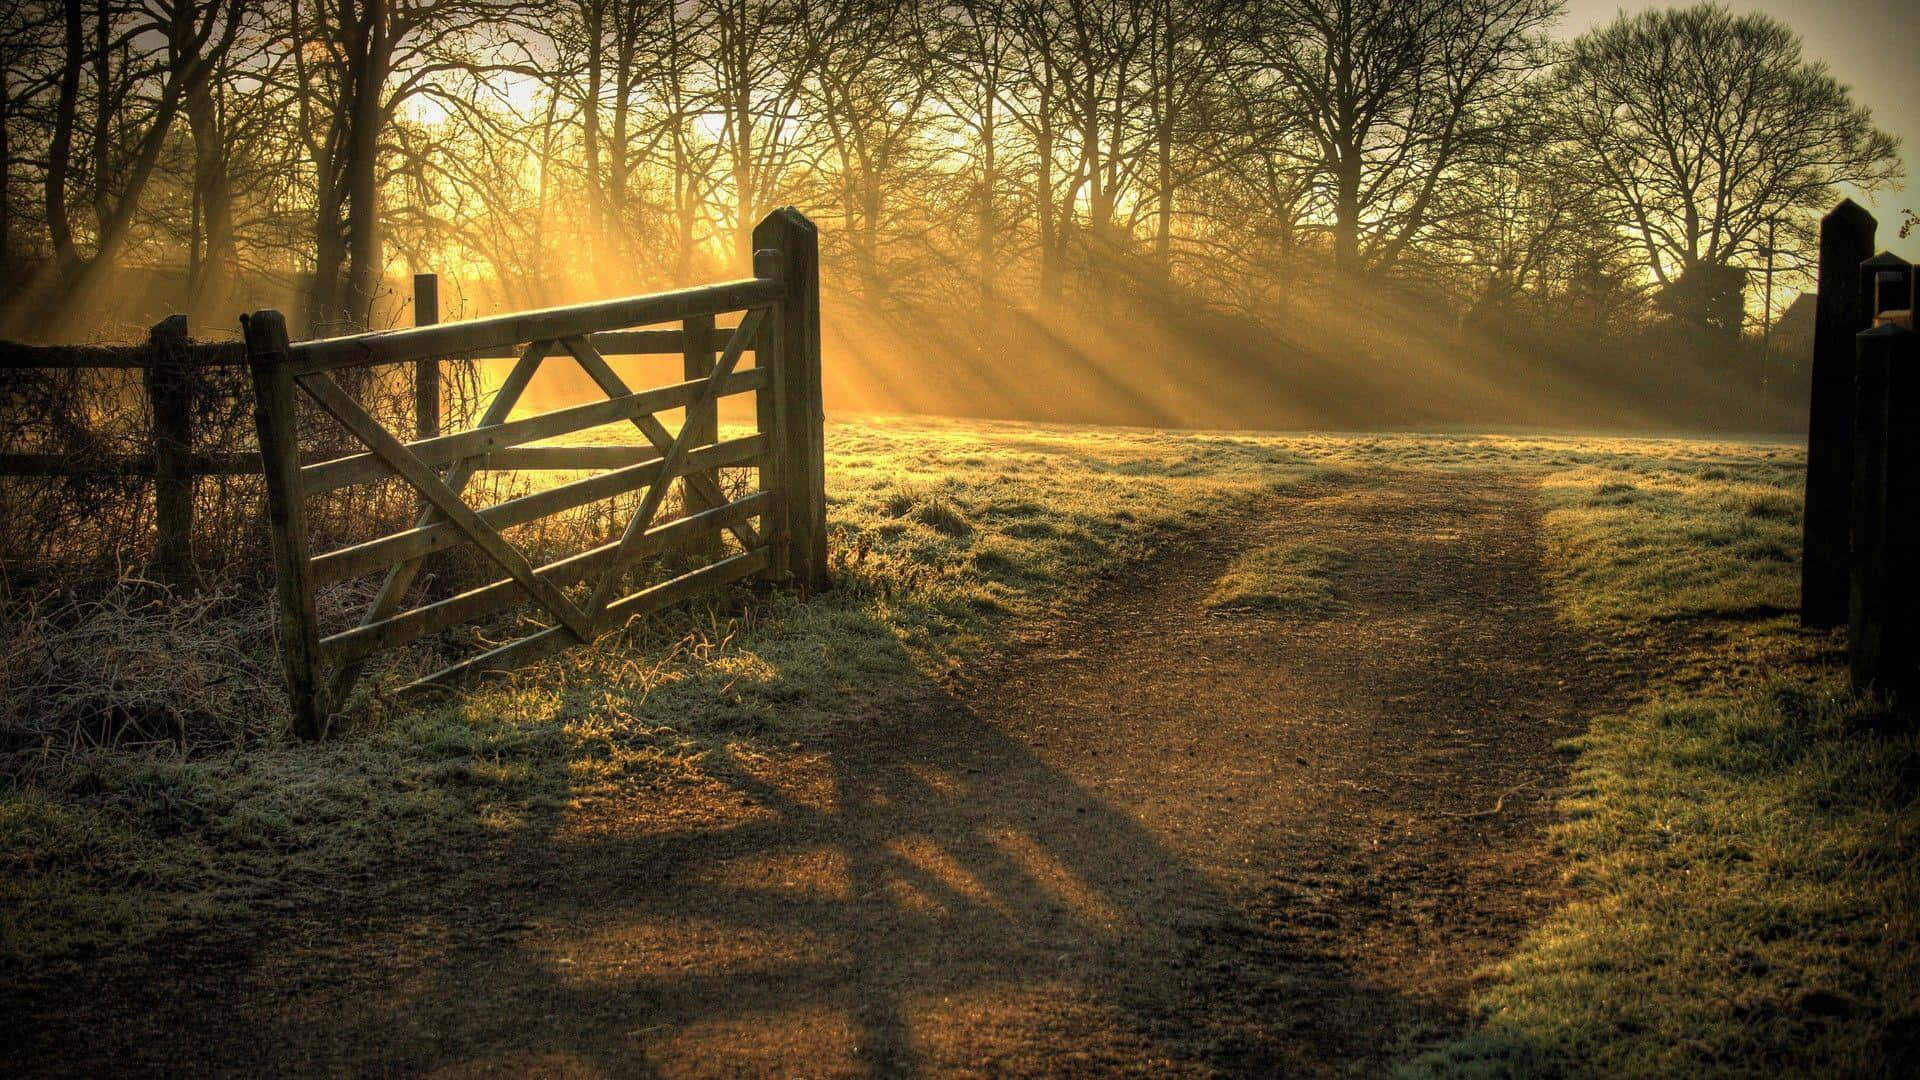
pixel 1139 212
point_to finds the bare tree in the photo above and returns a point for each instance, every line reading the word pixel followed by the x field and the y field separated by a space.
pixel 1395 98
pixel 1704 128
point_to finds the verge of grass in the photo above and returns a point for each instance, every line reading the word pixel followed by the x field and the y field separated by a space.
pixel 1279 579
pixel 1746 842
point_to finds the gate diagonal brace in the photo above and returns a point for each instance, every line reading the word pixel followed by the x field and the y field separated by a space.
pixel 428 482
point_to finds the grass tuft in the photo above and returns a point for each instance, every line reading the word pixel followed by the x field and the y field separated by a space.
pixel 1279 579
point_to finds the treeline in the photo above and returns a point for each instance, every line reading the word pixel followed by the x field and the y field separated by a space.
pixel 1339 210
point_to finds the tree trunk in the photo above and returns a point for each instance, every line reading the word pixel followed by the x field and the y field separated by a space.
pixel 989 181
pixel 1346 213
pixel 6 188
pixel 362 167
pixel 60 149
pixel 593 26
pixel 213 255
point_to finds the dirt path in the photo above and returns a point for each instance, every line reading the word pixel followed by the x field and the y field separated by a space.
pixel 1155 841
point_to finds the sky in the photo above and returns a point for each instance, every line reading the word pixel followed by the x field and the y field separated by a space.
pixel 1873 46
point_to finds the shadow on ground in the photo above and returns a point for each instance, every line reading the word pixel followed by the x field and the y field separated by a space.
pixel 1157 842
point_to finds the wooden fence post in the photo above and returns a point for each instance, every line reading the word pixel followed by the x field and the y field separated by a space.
pixel 1867 597
pixel 1885 284
pixel 269 361
pixel 426 373
pixel 703 421
pixel 800 420
pixel 1897 669
pixel 1846 240
pixel 170 398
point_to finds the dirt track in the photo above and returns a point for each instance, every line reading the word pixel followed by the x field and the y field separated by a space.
pixel 1152 841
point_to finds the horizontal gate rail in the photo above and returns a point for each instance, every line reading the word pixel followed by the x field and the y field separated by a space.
pixel 779 530
pixel 446 339
pixel 368 467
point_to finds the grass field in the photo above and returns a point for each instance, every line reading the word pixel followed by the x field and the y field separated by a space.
pixel 1745 855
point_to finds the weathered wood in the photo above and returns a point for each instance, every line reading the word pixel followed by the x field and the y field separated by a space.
pixel 428 483
pixel 15 356
pixel 350 646
pixel 1867 598
pixel 568 458
pixel 447 339
pixel 702 421
pixel 1846 239
pixel 274 417
pixel 484 438
pixel 393 590
pixel 671 466
pixel 623 343
pixel 1896 667
pixel 545 643
pixel 1886 283
pixel 170 400
pixel 198 463
pixel 365 558
pixel 801 445
pixel 767 418
pixel 611 384
pixel 426 372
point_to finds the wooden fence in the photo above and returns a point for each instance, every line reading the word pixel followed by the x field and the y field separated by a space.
pixel 780 528
pixel 171 364
pixel 1862 519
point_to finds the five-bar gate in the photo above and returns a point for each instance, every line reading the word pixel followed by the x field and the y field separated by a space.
pixel 780 528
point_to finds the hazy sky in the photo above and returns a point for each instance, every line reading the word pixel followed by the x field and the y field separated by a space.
pixel 1873 46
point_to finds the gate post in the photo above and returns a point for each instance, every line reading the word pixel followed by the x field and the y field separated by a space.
pixel 800 418
pixel 703 421
pixel 426 373
pixel 170 397
pixel 269 361
pixel 1846 240
pixel 1897 669
pixel 1867 593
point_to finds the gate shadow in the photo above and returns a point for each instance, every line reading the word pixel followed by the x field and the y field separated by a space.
pixel 921 893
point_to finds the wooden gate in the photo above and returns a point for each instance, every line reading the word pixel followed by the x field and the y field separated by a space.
pixel 780 528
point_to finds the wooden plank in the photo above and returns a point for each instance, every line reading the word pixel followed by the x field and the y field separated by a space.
pixel 170 401
pixel 612 385
pixel 545 643
pixel 702 421
pixel 446 339
pixel 426 372
pixel 1840 312
pixel 203 463
pixel 349 646
pixel 801 446
pixel 365 558
pixel 275 418
pixel 335 401
pixel 15 356
pixel 51 465
pixel 623 343
pixel 364 468
pixel 568 458
pixel 675 456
